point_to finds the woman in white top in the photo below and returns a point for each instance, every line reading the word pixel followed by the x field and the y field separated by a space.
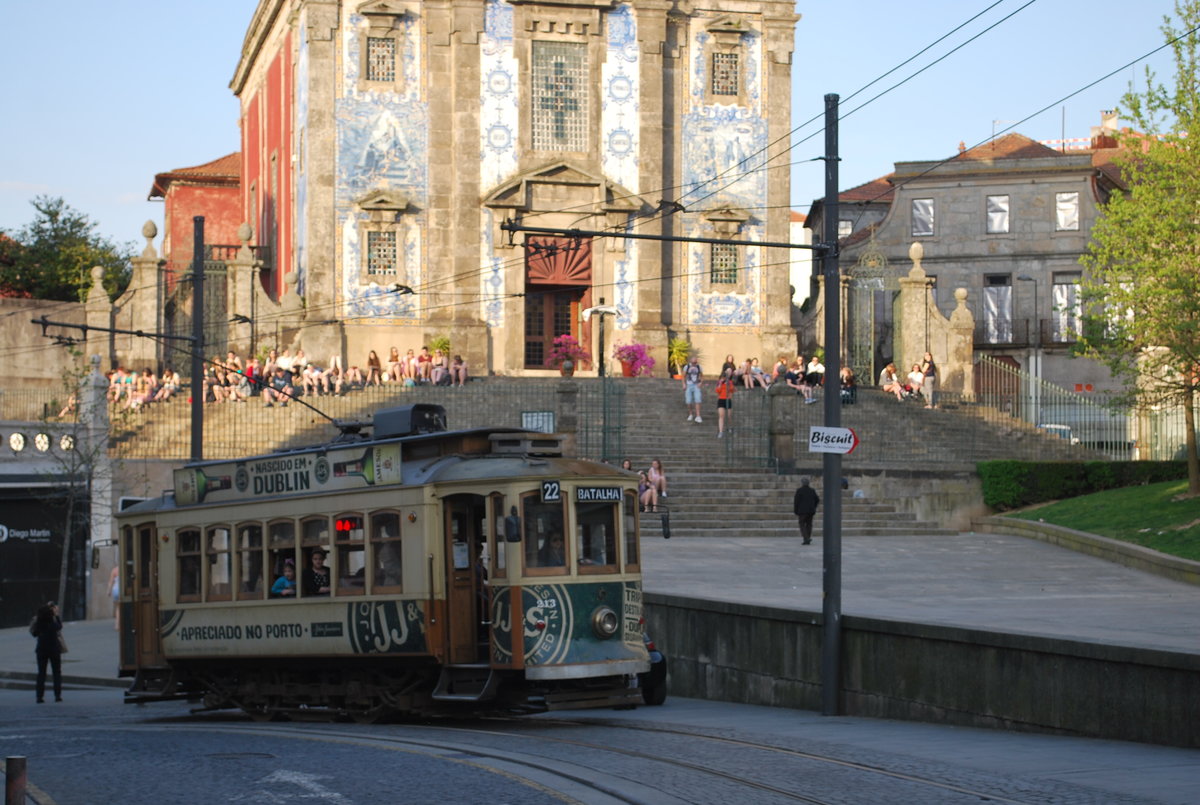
pixel 916 378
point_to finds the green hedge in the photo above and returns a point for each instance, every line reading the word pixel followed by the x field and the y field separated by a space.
pixel 1013 484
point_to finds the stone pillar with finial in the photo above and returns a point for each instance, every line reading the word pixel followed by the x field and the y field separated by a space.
pixel 141 307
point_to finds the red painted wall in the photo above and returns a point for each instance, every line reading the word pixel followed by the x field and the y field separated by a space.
pixel 222 211
pixel 268 126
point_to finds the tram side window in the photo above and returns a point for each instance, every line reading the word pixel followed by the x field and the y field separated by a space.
pixel 220 563
pixel 250 561
pixel 543 537
pixel 348 535
pixel 127 554
pixel 596 536
pixel 314 533
pixel 187 556
pixel 386 549
pixel 497 545
pixel 631 530
pixel 281 549
pixel 145 556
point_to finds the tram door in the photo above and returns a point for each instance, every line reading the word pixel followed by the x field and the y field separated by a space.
pixel 141 566
pixel 465 591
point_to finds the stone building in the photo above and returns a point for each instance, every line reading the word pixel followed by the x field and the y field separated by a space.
pixel 384 143
pixel 1007 221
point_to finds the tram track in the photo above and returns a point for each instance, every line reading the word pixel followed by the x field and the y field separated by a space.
pixel 595 783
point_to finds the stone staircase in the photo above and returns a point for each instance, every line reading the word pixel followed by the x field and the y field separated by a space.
pixel 718 487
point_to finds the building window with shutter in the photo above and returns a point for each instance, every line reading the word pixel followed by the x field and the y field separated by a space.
pixel 997 309
pixel 922 217
pixel 1066 310
pixel 1066 211
pixel 997 215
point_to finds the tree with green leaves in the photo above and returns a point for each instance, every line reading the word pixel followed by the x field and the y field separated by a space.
pixel 54 254
pixel 1141 291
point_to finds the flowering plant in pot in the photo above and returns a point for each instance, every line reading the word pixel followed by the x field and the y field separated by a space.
pixel 635 359
pixel 566 353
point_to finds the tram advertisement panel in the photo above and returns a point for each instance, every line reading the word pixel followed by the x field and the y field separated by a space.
pixel 565 613
pixel 290 473
pixel 321 629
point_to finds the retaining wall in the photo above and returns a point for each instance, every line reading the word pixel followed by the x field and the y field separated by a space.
pixel 891 669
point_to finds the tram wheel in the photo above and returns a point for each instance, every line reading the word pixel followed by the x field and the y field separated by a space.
pixel 654 695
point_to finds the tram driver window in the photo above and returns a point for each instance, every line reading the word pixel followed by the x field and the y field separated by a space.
pixel 350 537
pixel 543 537
pixel 596 536
pixel 631 530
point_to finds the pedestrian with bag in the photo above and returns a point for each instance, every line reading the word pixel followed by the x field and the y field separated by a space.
pixel 47 628
pixel 804 504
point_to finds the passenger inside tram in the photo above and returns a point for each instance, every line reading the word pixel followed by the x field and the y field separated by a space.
pixel 285 585
pixel 316 577
pixel 553 552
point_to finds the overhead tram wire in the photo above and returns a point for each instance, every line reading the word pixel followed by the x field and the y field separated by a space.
pixel 1031 116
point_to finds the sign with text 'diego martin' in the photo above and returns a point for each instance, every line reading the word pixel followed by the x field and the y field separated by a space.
pixel 831 440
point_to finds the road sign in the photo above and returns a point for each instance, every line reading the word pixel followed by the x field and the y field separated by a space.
pixel 831 440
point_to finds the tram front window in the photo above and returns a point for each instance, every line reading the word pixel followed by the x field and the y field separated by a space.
pixel 543 522
pixel 596 535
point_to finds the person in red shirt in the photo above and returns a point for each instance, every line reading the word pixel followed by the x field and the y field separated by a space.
pixel 725 387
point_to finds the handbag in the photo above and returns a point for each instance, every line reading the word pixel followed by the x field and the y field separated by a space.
pixel 62 644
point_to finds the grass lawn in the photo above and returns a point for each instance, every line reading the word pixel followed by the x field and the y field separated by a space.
pixel 1142 515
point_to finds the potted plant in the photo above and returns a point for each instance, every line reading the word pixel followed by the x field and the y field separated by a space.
pixel 678 351
pixel 566 353
pixel 441 342
pixel 635 359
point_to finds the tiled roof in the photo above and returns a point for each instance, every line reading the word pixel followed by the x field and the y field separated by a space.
pixel 798 217
pixel 226 170
pixel 880 190
pixel 1008 146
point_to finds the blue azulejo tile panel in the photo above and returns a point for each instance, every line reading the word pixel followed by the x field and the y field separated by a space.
pixel 499 94
pixel 620 99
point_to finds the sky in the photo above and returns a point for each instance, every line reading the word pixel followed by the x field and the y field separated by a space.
pixel 105 95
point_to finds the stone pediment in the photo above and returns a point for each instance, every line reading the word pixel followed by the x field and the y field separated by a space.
pixel 540 189
pixel 386 200
pixel 728 29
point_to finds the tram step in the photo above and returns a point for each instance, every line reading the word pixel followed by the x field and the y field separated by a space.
pixel 469 682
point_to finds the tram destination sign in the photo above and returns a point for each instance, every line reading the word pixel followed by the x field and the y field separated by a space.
pixel 831 440
pixel 298 473
pixel 598 494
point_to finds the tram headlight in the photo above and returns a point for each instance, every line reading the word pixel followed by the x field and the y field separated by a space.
pixel 605 622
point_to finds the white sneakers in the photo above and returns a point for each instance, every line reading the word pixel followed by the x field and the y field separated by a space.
pixel 691 417
pixel 698 420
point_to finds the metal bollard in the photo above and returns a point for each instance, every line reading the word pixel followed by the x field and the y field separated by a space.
pixel 14 780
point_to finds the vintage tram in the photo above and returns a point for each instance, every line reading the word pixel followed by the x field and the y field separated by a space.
pixel 433 570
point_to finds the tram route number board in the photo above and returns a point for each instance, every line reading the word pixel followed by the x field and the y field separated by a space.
pixel 831 440
pixel 552 493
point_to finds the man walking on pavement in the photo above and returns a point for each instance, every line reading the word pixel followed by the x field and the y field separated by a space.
pixel 804 504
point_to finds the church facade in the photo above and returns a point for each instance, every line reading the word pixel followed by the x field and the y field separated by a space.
pixel 384 143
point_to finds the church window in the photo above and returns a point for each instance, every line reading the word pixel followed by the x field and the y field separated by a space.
pixel 559 93
pixel 381 253
pixel 723 268
pixel 724 74
pixel 381 59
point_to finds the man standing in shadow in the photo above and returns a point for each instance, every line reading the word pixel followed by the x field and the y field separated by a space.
pixel 804 504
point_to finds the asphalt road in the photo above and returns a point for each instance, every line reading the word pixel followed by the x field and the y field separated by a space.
pixel 94 749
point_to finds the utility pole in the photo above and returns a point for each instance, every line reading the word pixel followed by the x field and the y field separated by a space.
pixel 198 338
pixel 831 525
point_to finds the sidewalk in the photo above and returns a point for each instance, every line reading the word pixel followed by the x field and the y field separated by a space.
pixel 984 581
